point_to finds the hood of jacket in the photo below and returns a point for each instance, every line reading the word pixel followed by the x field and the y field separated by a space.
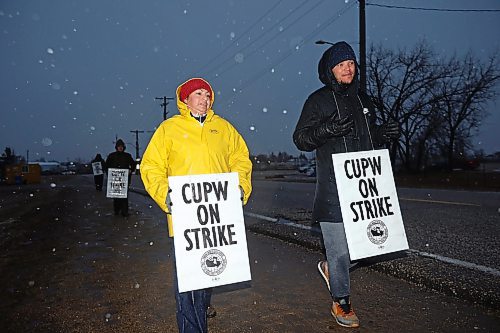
pixel 184 109
pixel 325 65
pixel 180 146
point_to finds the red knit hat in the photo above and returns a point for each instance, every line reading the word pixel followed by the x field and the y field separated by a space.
pixel 191 85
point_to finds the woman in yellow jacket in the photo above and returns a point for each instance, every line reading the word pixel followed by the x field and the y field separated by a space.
pixel 196 141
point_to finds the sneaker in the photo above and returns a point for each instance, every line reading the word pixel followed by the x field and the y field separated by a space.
pixel 211 312
pixel 344 314
pixel 323 270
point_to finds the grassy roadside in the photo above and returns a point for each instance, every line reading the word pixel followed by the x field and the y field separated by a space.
pixel 460 179
pixel 477 180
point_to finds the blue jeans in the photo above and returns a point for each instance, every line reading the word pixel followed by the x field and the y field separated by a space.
pixel 337 255
pixel 191 307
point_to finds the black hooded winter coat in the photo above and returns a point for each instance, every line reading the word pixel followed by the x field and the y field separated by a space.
pixel 121 159
pixel 341 100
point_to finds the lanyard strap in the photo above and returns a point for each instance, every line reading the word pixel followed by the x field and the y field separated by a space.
pixel 365 111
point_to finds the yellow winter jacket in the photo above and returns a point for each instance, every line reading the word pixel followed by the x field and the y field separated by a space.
pixel 182 146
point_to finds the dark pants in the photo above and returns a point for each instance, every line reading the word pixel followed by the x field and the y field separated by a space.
pixel 120 205
pixel 98 180
pixel 191 311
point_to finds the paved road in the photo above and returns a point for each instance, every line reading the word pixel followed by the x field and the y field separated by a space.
pixel 458 228
pixel 456 224
pixel 69 265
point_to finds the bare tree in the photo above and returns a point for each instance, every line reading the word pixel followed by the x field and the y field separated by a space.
pixel 427 94
pixel 403 84
pixel 463 100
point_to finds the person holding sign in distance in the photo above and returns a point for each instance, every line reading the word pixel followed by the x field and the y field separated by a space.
pixel 194 142
pixel 98 168
pixel 120 159
pixel 337 118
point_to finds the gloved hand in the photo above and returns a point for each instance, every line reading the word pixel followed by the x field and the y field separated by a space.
pixel 390 130
pixel 338 127
pixel 168 201
pixel 242 193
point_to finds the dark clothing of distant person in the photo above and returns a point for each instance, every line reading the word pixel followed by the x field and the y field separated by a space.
pixel 99 179
pixel 121 160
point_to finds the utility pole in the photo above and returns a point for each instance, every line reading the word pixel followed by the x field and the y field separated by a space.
pixel 362 46
pixel 164 104
pixel 137 143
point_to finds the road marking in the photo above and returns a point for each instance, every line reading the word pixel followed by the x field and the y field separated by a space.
pixel 448 260
pixel 442 202
pixel 458 262
pixel 262 217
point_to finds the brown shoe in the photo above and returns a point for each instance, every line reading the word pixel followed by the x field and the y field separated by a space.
pixel 323 270
pixel 344 314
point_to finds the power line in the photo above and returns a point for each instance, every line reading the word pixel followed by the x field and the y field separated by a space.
pixel 264 33
pixel 258 37
pixel 165 100
pixel 137 156
pixel 275 36
pixel 241 36
pixel 289 53
pixel 433 9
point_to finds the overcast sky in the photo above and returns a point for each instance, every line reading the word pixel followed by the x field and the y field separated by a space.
pixel 75 74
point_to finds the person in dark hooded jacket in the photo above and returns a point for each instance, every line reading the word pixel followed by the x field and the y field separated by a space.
pixel 337 118
pixel 99 168
pixel 119 159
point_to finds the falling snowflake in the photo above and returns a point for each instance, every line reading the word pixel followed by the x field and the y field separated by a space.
pixel 239 58
pixel 46 142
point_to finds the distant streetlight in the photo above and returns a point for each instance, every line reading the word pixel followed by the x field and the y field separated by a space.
pixel 164 105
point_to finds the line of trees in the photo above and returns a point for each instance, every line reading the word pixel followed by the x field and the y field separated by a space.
pixel 281 157
pixel 438 102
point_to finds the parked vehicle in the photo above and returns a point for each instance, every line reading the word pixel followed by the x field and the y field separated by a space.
pixel 309 168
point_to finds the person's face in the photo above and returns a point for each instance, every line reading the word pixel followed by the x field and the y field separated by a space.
pixel 344 72
pixel 198 101
pixel 119 148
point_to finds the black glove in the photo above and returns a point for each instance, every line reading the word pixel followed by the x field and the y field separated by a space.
pixel 338 127
pixel 390 130
pixel 242 194
pixel 168 201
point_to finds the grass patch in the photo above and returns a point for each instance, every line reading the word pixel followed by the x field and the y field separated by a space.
pixel 459 179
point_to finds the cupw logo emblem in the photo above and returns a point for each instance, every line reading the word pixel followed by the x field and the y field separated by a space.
pixel 213 262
